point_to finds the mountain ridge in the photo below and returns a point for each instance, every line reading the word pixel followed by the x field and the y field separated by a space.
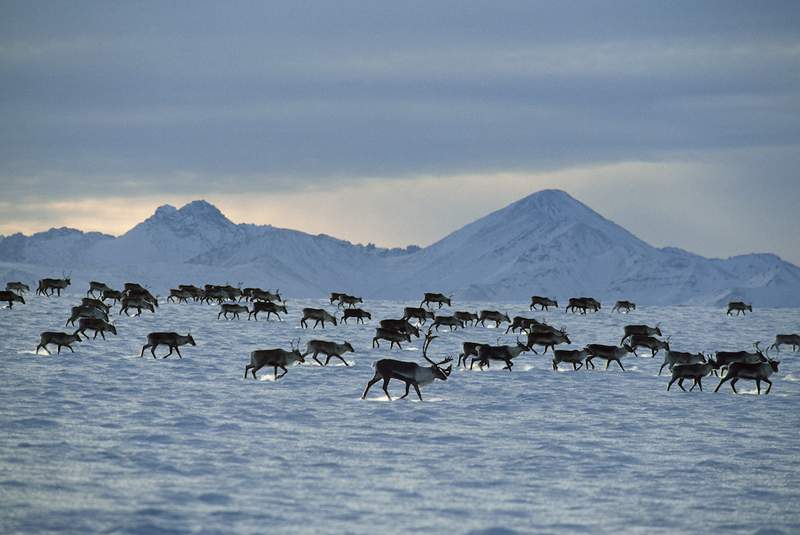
pixel 546 242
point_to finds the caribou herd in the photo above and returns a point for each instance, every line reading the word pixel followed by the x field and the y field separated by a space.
pixel 94 314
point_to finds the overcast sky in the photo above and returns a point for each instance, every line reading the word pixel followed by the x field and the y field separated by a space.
pixel 397 122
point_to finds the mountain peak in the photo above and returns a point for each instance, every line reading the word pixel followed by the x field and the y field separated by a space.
pixel 201 208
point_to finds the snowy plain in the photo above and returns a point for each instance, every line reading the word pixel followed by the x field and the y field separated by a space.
pixel 104 441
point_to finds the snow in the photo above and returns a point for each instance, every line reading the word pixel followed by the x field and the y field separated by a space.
pixel 102 440
pixel 547 243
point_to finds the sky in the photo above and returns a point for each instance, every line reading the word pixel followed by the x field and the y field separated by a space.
pixel 398 122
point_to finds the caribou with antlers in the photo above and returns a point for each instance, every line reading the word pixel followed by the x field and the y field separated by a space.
pixel 411 373
pixel 277 358
pixel 48 287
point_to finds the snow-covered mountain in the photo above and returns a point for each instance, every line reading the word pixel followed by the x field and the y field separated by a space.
pixel 547 243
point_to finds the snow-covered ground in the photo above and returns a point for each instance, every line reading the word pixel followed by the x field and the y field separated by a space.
pixel 102 440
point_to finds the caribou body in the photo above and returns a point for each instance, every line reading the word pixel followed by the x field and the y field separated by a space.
pixel 11 297
pixel 356 313
pixel 277 358
pixel 739 307
pixel 493 315
pixel 170 339
pixel 319 315
pixel 627 306
pixel 58 338
pixel 544 302
pixel 329 349
pixel 437 298
pixel 269 307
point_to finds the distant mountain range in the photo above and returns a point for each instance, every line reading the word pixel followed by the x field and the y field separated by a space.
pixel 547 243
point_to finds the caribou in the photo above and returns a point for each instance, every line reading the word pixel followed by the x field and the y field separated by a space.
pixel 49 286
pixel 318 315
pixel 11 297
pixel 607 353
pixel 739 307
pixel 96 325
pixel 695 371
pixel 544 302
pixel 357 313
pixel 468 348
pixel 138 303
pixel 676 358
pixel 504 353
pixel 233 309
pixel 400 325
pixel 96 303
pixel 469 318
pixel 644 330
pixel 58 338
pixel 179 295
pixel 95 286
pixel 418 313
pixel 760 371
pixel 653 344
pixel 277 358
pixel 411 373
pixel 349 301
pixel 391 335
pixel 335 296
pixel 627 306
pixel 493 315
pixel 330 349
pixel 169 339
pixel 18 287
pixel 576 357
pixel 438 298
pixel 726 358
pixel 86 311
pixel 269 307
pixel 522 323
pixel 547 339
pixel 448 321
pixel 583 304
pixel 114 295
pixel 257 294
pixel 786 340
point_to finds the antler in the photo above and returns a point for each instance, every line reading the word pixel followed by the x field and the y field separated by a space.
pixel 429 337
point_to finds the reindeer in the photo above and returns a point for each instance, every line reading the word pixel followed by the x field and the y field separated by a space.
pixel 96 303
pixel 627 306
pixel 330 349
pixel 349 301
pixel 10 297
pixel 644 330
pixel 113 295
pixel 694 371
pixel 411 373
pixel 233 308
pixel 258 294
pixel 170 339
pixel 214 293
pixel 60 339
pixel 583 304
pixel 576 357
pixel 786 340
pixel 318 315
pixel 547 339
pixel 504 353
pixel 267 306
pixel 400 325
pixel 650 342
pixel 196 293
pixel 739 307
pixel 18 287
pixel 136 302
pixel 544 302
pixel 181 296
pixel 608 353
pixel 85 311
pixel 335 296
pixel 418 313
pixel 277 358
pixel 136 291
pixel 522 323
pixel 232 293
pixel 449 321
pixel 49 286
pixel 726 358
pixel 493 315
pixel 394 337
pixel 96 325
pixel 469 318
pixel 757 372
pixel 355 313
pixel 98 287
pixel 468 348
pixel 441 299
pixel 675 358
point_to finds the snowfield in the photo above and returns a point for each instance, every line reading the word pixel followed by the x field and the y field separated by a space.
pixel 104 441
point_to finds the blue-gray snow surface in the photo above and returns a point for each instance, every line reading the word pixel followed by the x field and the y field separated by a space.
pixel 101 441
